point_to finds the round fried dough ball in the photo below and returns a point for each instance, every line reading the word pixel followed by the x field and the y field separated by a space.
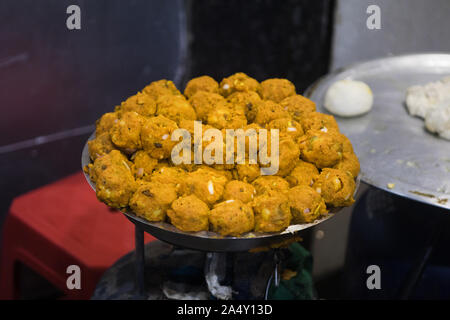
pixel 276 89
pixel 336 187
pixel 224 117
pixel 140 103
pixel 152 199
pixel 272 212
pixel 289 153
pixel 306 204
pixel 267 111
pixel 232 218
pixel 320 148
pixel 189 214
pixel 287 127
pixel 349 163
pixel 203 83
pixel 143 165
pixel 105 123
pixel 204 102
pixel 206 184
pixel 319 121
pixel 126 133
pixel 175 107
pixel 346 144
pixel 156 137
pixel 171 175
pixel 298 106
pixel 303 174
pixel 114 180
pixel 160 88
pixel 101 145
pixel 246 102
pixel 265 184
pixel 238 82
pixel 248 172
pixel 239 190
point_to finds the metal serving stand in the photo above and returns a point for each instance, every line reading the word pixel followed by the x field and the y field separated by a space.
pixel 396 152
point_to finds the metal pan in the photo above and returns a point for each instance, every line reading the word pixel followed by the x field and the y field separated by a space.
pixel 207 240
pixel 393 147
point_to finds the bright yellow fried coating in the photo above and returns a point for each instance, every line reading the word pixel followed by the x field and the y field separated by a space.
pixel 272 212
pixel 298 106
pixel 175 107
pixel 100 146
pixel 140 103
pixel 156 137
pixel 126 133
pixel 276 89
pixel 239 190
pixel 320 148
pixel 336 187
pixel 160 88
pixel 203 83
pixel 303 174
pixel 232 218
pixel 189 214
pixel 238 82
pixel 152 199
pixel 133 168
pixel 306 204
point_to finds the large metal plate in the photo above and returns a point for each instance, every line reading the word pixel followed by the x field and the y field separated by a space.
pixel 392 146
pixel 207 240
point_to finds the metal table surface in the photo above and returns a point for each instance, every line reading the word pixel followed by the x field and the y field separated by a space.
pixel 392 146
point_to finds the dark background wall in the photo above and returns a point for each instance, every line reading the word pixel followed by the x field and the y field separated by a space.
pixel 55 83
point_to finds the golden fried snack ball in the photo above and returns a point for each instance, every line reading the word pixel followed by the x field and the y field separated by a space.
pixel 276 89
pixel 248 172
pixel 289 153
pixel 287 128
pixel 152 199
pixel 156 137
pixel 189 214
pixel 266 184
pixel 346 144
pixel 232 218
pixel 272 212
pixel 204 102
pixel 246 102
pixel 160 88
pixel 105 123
pixel 349 163
pixel 114 180
pixel 336 187
pixel 298 106
pixel 175 107
pixel 239 190
pixel 303 174
pixel 203 83
pixel 306 204
pixel 320 148
pixel 224 117
pixel 319 121
pixel 268 110
pixel 206 184
pixel 171 175
pixel 143 165
pixel 140 103
pixel 126 133
pixel 238 82
pixel 100 146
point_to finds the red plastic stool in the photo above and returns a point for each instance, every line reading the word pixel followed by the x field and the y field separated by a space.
pixel 59 225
